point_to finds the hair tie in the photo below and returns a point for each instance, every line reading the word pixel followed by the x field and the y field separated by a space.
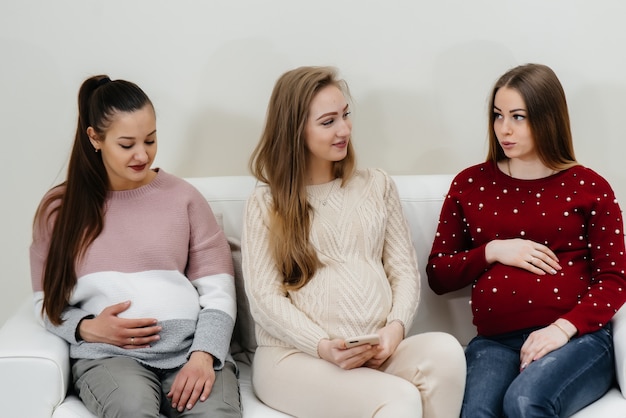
pixel 103 81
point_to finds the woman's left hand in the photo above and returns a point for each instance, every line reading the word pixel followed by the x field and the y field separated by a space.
pixel 390 337
pixel 544 341
pixel 193 381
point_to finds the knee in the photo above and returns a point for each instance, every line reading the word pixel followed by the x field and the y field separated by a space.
pixel 520 400
pixel 444 346
pixel 448 355
pixel 514 403
pixel 406 401
pixel 123 403
pixel 117 387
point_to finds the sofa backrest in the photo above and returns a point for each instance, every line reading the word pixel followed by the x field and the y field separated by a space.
pixel 421 196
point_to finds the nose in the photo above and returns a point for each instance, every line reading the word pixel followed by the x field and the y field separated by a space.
pixel 505 126
pixel 345 128
pixel 141 154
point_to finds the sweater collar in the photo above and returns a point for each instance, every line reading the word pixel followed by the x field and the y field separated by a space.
pixel 155 184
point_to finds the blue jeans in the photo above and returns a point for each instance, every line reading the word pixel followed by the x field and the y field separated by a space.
pixel 557 385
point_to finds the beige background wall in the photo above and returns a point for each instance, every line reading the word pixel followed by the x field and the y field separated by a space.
pixel 419 71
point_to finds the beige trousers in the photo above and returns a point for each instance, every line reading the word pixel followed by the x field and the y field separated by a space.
pixel 425 377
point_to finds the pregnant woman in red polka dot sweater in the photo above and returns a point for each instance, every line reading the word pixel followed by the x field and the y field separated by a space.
pixel 539 238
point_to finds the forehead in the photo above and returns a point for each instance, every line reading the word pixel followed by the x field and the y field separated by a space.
pixel 509 98
pixel 140 119
pixel 329 98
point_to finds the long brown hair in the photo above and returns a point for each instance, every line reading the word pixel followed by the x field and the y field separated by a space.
pixel 548 116
pixel 279 160
pixel 80 213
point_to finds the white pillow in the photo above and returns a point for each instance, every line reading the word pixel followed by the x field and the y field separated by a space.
pixel 619 343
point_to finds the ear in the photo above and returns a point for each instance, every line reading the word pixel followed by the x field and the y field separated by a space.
pixel 93 138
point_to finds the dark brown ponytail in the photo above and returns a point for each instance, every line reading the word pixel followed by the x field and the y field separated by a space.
pixel 79 216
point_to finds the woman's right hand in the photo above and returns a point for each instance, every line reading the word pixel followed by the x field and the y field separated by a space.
pixel 126 333
pixel 335 351
pixel 523 253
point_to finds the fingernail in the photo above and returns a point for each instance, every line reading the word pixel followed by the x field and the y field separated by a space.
pixel 553 271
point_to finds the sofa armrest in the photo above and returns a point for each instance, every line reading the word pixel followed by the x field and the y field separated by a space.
pixel 34 365
pixel 619 346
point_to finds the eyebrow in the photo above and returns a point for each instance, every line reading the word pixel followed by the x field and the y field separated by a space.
pixel 512 110
pixel 332 113
pixel 133 138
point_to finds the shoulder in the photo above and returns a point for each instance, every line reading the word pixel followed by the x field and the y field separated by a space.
pixel 582 174
pixel 261 190
pixel 51 201
pixel 181 187
pixel 54 195
pixel 47 211
pixel 168 180
pixel 371 183
pixel 582 178
pixel 469 177
pixel 261 196
pixel 370 176
pixel 477 170
pixel 175 194
pixel 258 204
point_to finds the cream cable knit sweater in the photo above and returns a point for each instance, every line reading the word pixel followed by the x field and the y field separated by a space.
pixel 369 277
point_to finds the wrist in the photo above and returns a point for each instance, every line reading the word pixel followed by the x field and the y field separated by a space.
pixel 78 335
pixel 399 325
pixel 202 355
pixel 489 257
pixel 566 327
pixel 321 348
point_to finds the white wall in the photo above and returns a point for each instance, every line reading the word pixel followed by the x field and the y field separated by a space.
pixel 420 72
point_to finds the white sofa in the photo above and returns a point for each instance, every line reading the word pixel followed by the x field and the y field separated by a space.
pixel 34 364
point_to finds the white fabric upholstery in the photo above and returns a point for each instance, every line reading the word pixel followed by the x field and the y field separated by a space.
pixel 34 365
pixel 619 341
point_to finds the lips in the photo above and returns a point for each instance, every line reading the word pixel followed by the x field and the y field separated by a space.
pixel 138 167
pixel 341 144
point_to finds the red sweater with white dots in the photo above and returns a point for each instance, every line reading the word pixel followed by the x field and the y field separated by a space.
pixel 573 212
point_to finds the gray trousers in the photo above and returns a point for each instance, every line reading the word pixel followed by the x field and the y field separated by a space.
pixel 122 387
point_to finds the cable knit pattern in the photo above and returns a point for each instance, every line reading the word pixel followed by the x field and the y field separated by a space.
pixel 369 275
pixel 574 213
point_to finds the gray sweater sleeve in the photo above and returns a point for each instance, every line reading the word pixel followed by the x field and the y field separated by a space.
pixel 213 333
pixel 68 329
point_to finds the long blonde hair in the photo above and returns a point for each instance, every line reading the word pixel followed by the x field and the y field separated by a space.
pixel 279 160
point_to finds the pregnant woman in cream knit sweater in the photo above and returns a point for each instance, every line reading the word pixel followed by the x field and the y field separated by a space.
pixel 327 255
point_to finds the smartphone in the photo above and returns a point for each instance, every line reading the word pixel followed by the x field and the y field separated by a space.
pixel 371 339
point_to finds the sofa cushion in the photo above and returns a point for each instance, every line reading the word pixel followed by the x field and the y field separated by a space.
pixel 619 346
pixel 243 343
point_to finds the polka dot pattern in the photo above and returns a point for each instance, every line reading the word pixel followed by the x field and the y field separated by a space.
pixel 573 212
